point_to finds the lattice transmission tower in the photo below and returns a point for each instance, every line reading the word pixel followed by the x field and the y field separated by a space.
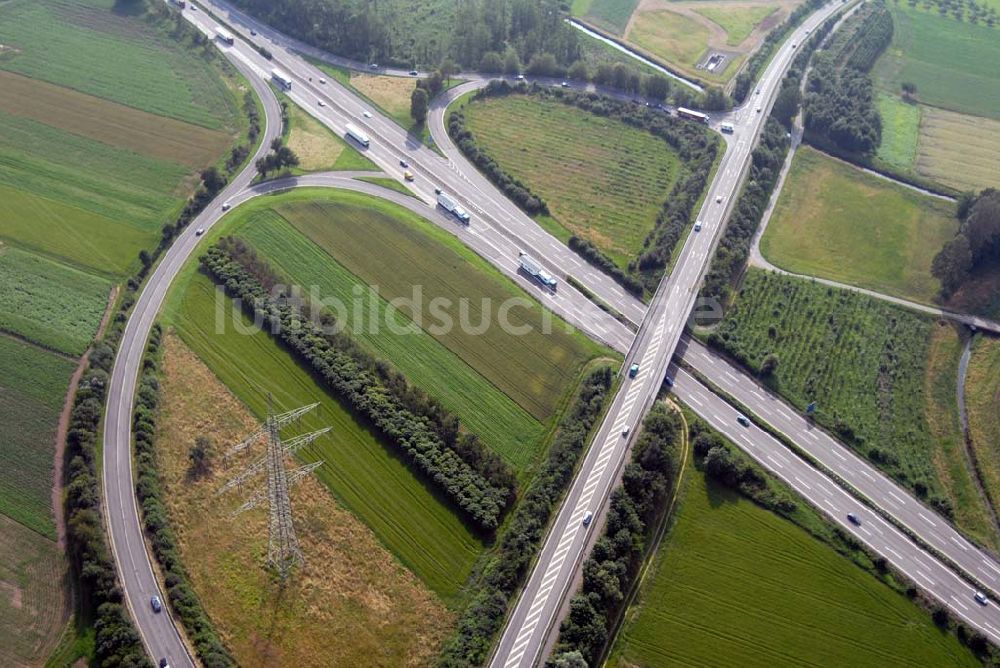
pixel 283 552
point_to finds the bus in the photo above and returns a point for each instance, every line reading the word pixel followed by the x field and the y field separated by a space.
pixel 692 115
pixel 225 36
pixel 727 128
pixel 282 79
pixel 357 135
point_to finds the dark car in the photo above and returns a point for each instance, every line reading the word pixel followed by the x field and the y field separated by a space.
pixel 404 164
pixel 163 663
pixel 854 519
pixel 254 33
pixel 633 371
pixel 156 604
pixel 743 420
pixel 669 381
pixel 414 73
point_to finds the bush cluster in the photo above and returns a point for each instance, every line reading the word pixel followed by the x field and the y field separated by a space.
pixel 149 492
pixel 505 571
pixel 613 564
pixel 369 387
pixel 697 150
pixel 117 641
pixel 734 247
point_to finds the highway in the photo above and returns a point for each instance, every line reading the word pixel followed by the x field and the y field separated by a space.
pixel 497 236
pixel 139 583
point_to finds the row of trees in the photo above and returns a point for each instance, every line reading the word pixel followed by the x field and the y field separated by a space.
pixel 240 153
pixel 505 571
pixel 976 245
pixel 609 573
pixel 360 380
pixel 734 247
pixel 280 158
pixel 183 600
pixel 695 146
pixel 840 111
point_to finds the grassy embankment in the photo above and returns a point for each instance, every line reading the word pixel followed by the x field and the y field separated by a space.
pixel 982 401
pixel 882 377
pixel 834 221
pixel 735 584
pixel 318 149
pixel 602 180
pixel 738 22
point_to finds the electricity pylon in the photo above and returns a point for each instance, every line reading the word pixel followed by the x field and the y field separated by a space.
pixel 283 551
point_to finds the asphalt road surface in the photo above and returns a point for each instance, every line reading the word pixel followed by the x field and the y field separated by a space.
pixel 139 583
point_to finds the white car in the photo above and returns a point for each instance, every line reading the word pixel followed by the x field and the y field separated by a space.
pixel 321 103
pixel 200 231
pixel 625 430
pixel 758 109
pixel 226 206
pixel 718 199
pixel 697 226
pixel 366 114
pixel 588 518
pixel 981 598
pixel 322 80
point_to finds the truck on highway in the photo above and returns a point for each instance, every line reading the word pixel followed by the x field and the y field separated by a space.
pixel 225 36
pixel 727 128
pixel 692 115
pixel 281 79
pixel 453 207
pixel 355 133
pixel 533 269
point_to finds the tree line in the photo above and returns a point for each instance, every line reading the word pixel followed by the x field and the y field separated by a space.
pixel 734 247
pixel 695 146
pixel 975 246
pixel 149 491
pixel 610 571
pixel 474 478
pixel 840 111
pixel 505 570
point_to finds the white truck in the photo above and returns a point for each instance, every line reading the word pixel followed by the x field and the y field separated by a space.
pixel 533 269
pixel 453 207
pixel 355 133
pixel 282 79
pixel 225 36
pixel 727 128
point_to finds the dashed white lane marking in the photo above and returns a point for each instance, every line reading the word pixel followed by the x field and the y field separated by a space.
pixel 802 482
pixel 867 475
pixel 923 576
pixel 925 518
pixel 889 491
pixel 956 601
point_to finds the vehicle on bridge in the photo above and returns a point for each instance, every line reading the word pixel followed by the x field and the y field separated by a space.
pixel 533 269
pixel 225 36
pixel 355 133
pixel 453 207
pixel 281 79
pixel 692 115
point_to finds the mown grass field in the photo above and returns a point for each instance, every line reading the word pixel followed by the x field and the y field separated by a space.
pixel 738 22
pixel 670 36
pixel 32 601
pixel 391 248
pixel 498 420
pixel 88 46
pixel 900 131
pixel 958 150
pixel 982 401
pixel 610 15
pixel 364 475
pixel 48 302
pixel 351 604
pixel 834 221
pixel 735 584
pixel 866 363
pixel 33 386
pixel 952 63
pixel 602 179
pixel 318 148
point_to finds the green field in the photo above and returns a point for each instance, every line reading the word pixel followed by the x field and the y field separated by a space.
pixel 668 35
pixel 900 130
pixel 48 302
pixel 33 386
pixel 982 401
pixel 837 222
pixel 602 180
pixel 90 47
pixel 389 247
pixel 735 585
pixel 738 22
pixel 367 477
pixel 501 423
pixel 32 599
pixel 952 63
pixel 867 364
pixel 610 15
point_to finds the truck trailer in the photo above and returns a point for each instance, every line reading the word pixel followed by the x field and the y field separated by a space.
pixel 533 269
pixel 225 36
pixel 453 207
pixel 692 115
pixel 281 79
pixel 355 133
